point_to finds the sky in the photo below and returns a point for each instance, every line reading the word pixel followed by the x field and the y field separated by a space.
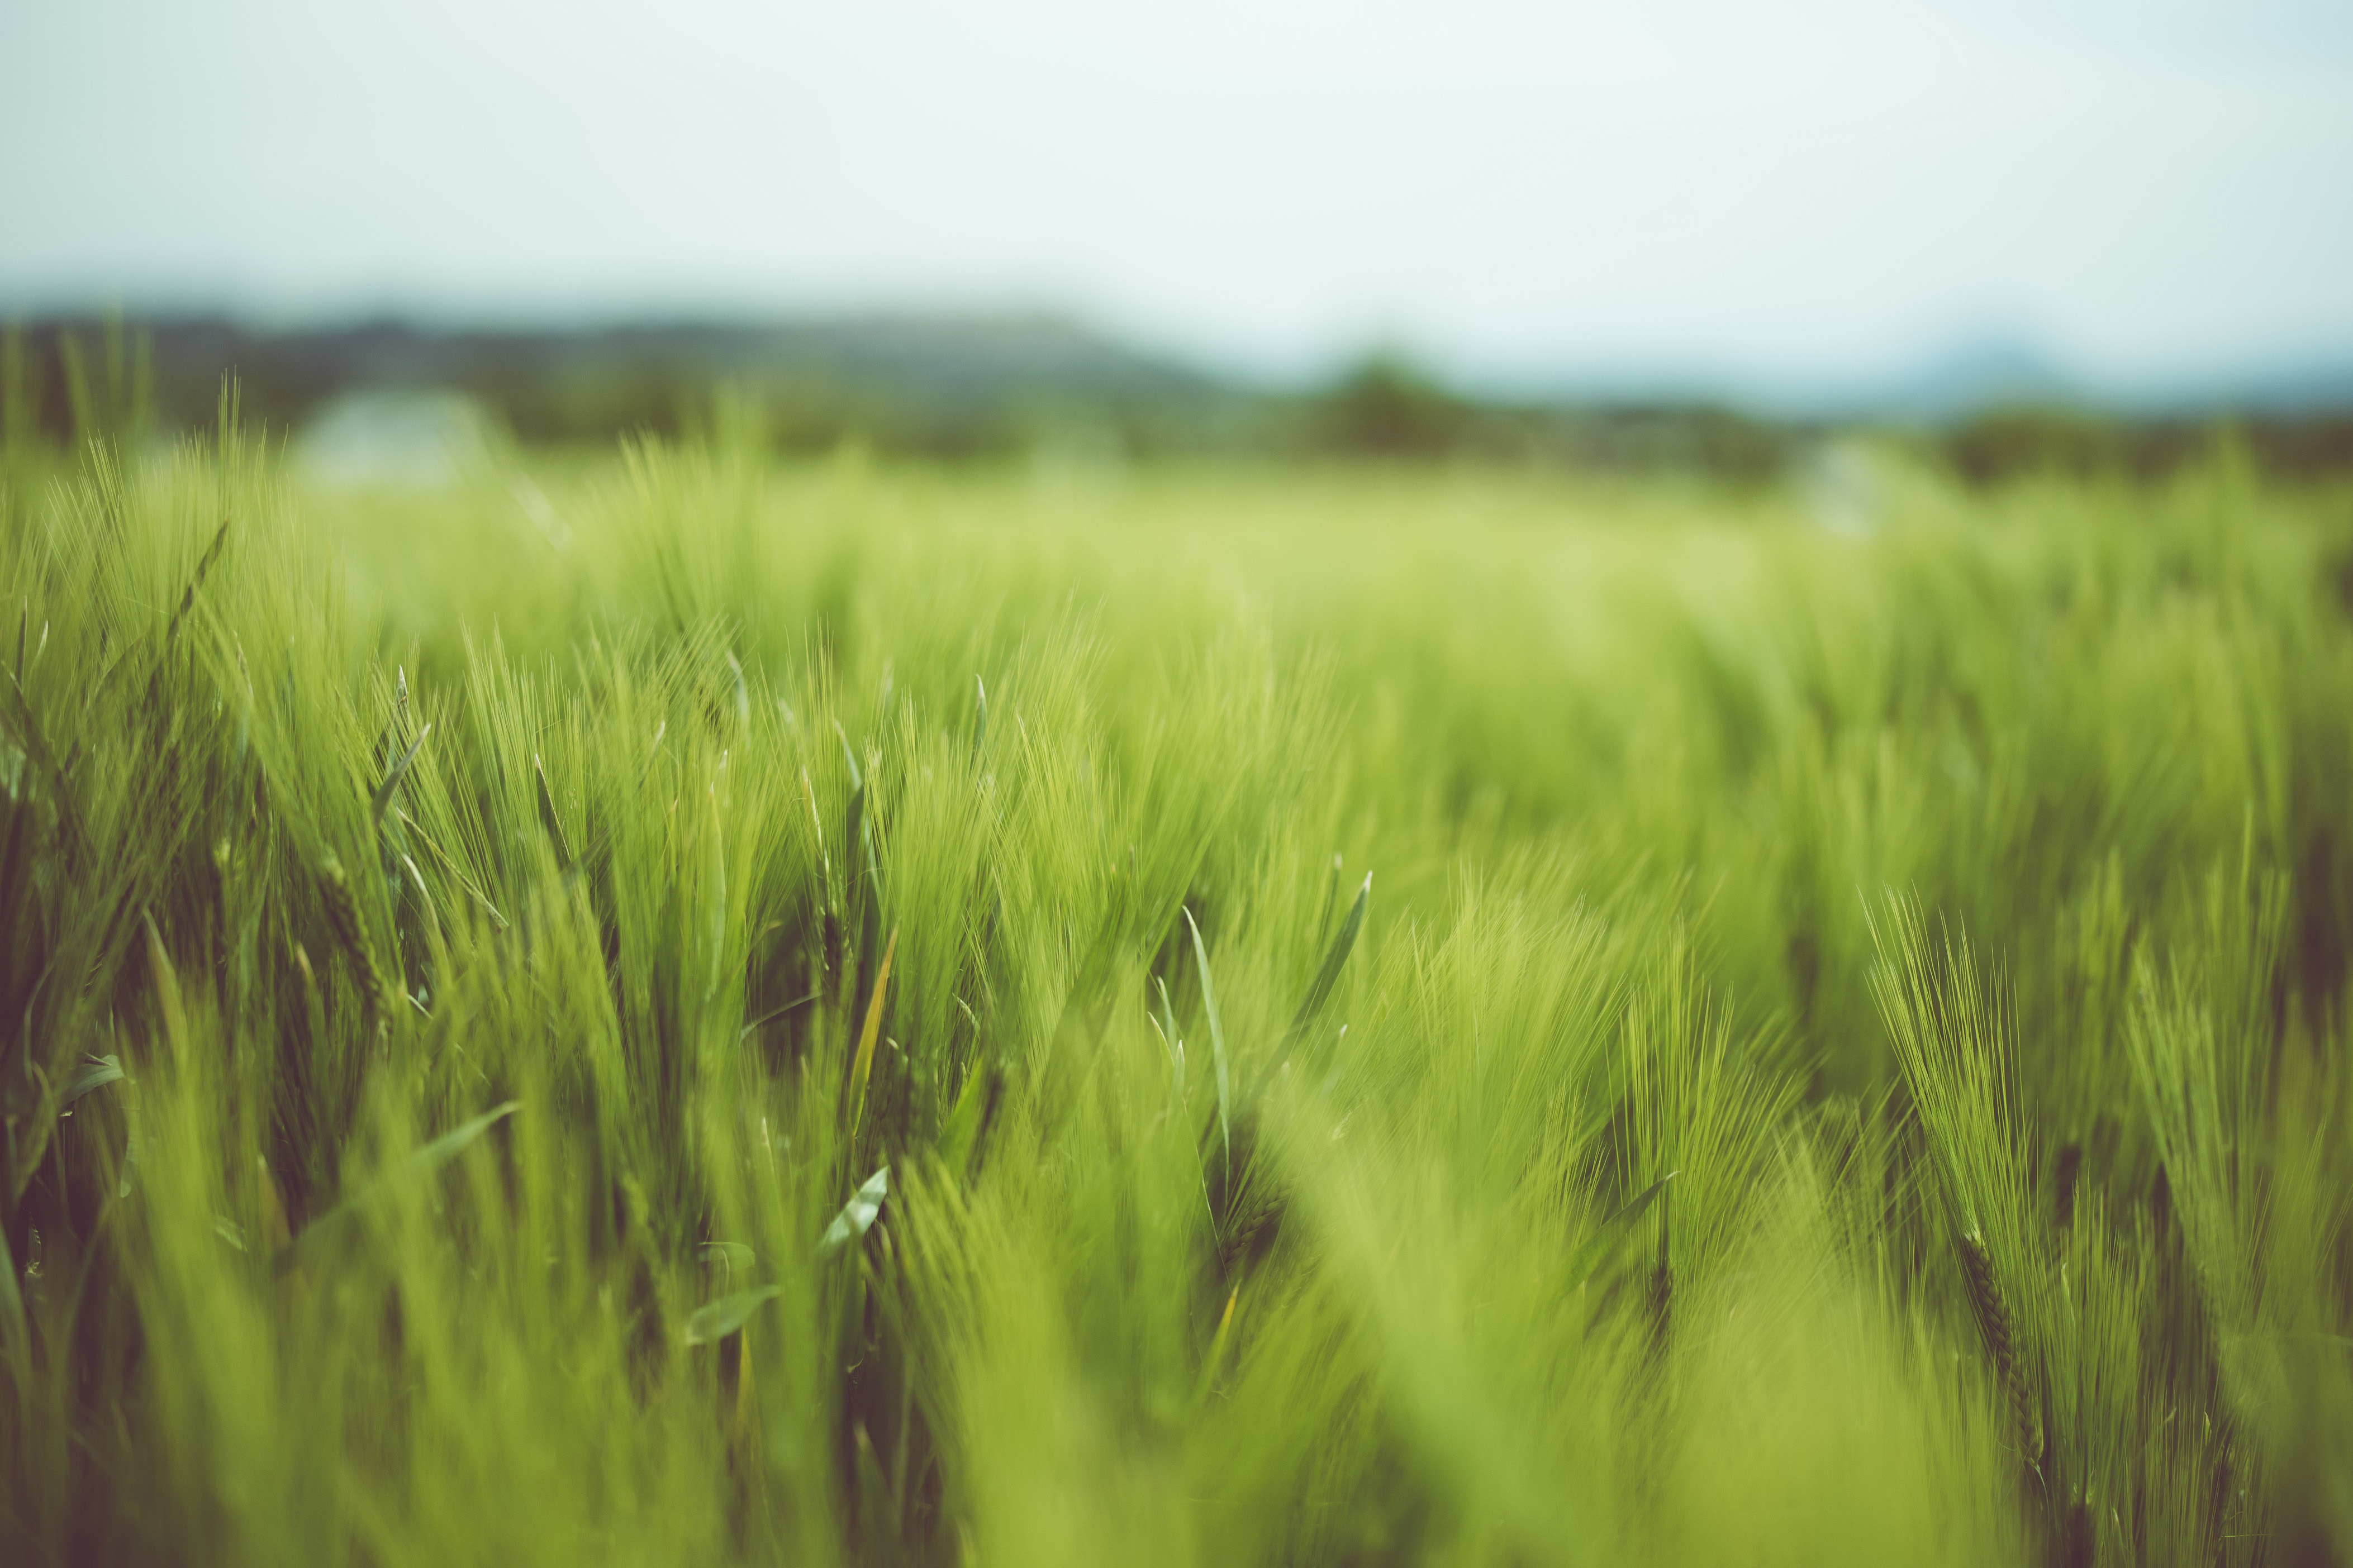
pixel 1516 191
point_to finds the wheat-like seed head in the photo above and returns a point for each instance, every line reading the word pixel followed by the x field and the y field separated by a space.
pixel 351 934
pixel 1994 1322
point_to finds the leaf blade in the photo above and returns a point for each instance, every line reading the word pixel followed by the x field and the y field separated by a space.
pixel 382 800
pixel 1217 1044
pixel 1327 975
pixel 416 1165
pixel 95 1072
pixel 715 1321
pixel 862 1066
pixel 858 1216
pixel 1624 1215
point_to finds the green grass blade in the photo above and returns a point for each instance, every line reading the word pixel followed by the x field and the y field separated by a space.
pixel 414 1167
pixel 856 1217
pixel 14 1338
pixel 195 582
pixel 721 1317
pixel 742 695
pixel 729 1255
pixel 854 824
pixel 1320 992
pixel 95 1072
pixel 547 817
pixel 1600 1247
pixel 773 1014
pixel 1165 1025
pixel 954 1144
pixel 382 800
pixel 1217 1045
pixel 1331 902
pixel 862 1064
pixel 452 1143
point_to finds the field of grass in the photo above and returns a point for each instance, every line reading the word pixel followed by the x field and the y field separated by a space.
pixel 671 1007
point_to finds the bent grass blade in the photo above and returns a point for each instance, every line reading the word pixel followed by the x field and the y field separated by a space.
pixel 1319 992
pixel 721 1317
pixel 1217 1046
pixel 382 800
pixel 418 1164
pixel 858 1216
pixel 862 1067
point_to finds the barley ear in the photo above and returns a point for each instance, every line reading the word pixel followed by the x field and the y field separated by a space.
pixel 351 935
pixel 1994 1323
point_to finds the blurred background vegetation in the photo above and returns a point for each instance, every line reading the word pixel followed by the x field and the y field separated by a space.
pixel 992 387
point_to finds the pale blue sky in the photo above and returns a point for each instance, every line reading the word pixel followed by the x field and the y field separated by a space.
pixel 1813 189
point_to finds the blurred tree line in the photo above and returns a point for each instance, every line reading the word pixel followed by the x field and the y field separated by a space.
pixel 984 389
pixel 2006 444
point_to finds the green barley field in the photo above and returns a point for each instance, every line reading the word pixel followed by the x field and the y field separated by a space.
pixel 669 1005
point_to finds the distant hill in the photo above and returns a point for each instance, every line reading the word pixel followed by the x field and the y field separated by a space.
pixel 2000 373
pixel 1994 373
pixel 1965 379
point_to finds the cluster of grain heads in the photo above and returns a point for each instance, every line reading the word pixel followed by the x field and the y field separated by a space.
pixel 1954 1040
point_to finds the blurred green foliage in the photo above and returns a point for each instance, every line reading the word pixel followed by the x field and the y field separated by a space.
pixel 989 389
pixel 2005 445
